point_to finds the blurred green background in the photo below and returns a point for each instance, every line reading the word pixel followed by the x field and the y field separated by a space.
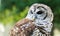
pixel 13 10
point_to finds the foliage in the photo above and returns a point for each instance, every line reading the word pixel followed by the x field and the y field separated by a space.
pixel 11 16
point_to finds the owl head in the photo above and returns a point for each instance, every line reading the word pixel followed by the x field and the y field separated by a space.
pixel 40 11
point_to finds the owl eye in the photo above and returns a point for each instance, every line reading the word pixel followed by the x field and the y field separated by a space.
pixel 31 12
pixel 39 12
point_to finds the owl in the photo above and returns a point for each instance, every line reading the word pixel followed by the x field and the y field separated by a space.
pixel 38 22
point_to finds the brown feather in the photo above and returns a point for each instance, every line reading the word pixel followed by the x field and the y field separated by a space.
pixel 17 30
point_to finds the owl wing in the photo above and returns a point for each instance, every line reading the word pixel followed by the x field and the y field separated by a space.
pixel 22 28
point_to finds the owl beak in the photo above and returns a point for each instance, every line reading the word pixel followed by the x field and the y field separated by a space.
pixel 34 17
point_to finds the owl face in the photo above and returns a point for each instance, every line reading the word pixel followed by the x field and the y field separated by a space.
pixel 40 11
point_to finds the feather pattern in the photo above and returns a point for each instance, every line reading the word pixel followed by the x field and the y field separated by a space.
pixel 38 22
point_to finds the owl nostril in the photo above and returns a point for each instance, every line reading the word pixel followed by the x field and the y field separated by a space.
pixel 39 12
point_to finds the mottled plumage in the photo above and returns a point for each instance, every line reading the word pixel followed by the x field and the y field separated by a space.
pixel 38 22
pixel 22 28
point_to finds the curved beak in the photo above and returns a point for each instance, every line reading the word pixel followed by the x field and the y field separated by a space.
pixel 34 17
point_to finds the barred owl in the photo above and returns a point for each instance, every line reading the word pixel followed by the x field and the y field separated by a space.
pixel 38 22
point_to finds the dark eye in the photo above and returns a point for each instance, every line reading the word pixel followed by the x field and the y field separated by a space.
pixel 39 12
pixel 31 12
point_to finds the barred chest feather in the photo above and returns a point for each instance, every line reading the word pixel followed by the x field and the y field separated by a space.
pixel 37 32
